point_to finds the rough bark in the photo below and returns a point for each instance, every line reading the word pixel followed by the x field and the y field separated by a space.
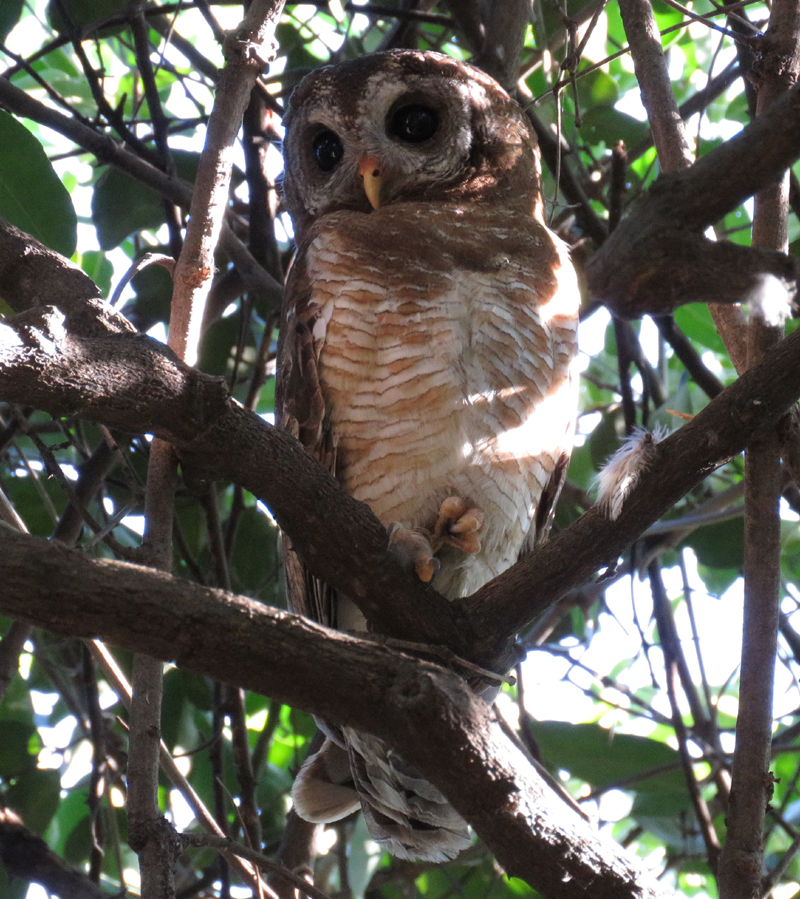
pixel 741 863
pixel 437 723
pixel 138 385
pixel 658 258
pixel 27 856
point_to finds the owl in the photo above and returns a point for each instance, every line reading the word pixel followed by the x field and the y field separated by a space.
pixel 427 337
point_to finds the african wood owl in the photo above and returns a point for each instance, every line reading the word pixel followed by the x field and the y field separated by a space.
pixel 426 344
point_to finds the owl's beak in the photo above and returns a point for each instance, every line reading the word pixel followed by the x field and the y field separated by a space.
pixel 370 172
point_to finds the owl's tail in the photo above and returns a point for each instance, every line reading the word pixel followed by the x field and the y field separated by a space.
pixel 404 813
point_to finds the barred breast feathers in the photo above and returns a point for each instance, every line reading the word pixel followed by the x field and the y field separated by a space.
pixel 441 379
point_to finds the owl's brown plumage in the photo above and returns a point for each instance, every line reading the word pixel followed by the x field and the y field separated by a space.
pixel 426 343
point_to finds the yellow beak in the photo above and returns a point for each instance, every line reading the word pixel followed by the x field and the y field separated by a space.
pixel 371 174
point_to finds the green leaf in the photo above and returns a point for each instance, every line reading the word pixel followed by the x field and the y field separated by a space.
pixel 254 550
pixel 81 13
pixel 219 345
pixel 32 196
pixel 24 495
pixel 266 398
pixel 121 205
pixel 35 797
pixel 580 467
pixel 696 323
pixel 552 18
pixel 78 841
pixel 607 437
pixel 517 887
pixel 16 704
pixel 602 757
pixel 597 88
pixel 738 109
pixel 182 691
pixel 670 817
pixel 607 124
pixel 58 60
pixel 719 545
pixel 15 756
pixel 718 580
pixel 10 11
pixel 302 724
pixel 99 269
pixel 666 16
pixel 12 889
pixel 153 286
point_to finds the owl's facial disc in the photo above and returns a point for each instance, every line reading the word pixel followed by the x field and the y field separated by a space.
pixel 434 129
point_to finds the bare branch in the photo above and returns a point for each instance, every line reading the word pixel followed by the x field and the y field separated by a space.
pixel 658 259
pixel 28 857
pixel 532 831
pixel 138 385
pixel 650 65
pixel 741 862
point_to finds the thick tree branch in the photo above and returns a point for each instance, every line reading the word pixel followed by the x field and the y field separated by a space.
pixel 27 856
pixel 33 276
pixel 504 27
pixel 658 259
pixel 754 402
pixel 533 833
pixel 138 385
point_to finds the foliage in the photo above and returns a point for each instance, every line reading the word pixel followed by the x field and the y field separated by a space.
pixel 611 737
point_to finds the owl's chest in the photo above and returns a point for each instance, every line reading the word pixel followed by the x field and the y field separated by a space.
pixel 392 342
pixel 393 336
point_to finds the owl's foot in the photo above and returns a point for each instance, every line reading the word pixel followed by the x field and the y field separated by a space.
pixel 413 549
pixel 458 525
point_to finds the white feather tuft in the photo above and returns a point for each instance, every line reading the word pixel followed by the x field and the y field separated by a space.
pixel 771 301
pixel 622 471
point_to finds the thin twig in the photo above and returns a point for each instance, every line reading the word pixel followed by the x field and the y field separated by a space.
pixel 223 844
pixel 675 664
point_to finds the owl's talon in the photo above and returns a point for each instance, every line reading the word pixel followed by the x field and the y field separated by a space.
pixel 458 525
pixel 413 549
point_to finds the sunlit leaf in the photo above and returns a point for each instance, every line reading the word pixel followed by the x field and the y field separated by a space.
pixel 603 758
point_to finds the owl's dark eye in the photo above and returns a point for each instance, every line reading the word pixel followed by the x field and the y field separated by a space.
pixel 414 124
pixel 328 150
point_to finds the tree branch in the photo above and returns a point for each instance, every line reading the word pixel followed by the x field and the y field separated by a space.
pixel 658 259
pixel 27 856
pixel 137 385
pixel 533 833
pixel 742 859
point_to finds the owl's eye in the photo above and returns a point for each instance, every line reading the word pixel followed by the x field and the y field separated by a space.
pixel 328 150
pixel 414 124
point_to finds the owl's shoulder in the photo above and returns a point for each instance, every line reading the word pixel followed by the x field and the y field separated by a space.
pixel 429 236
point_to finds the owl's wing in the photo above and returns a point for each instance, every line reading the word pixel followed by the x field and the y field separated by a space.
pixel 561 350
pixel 546 509
pixel 300 409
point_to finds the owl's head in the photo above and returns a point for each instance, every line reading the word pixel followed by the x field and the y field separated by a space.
pixel 405 126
